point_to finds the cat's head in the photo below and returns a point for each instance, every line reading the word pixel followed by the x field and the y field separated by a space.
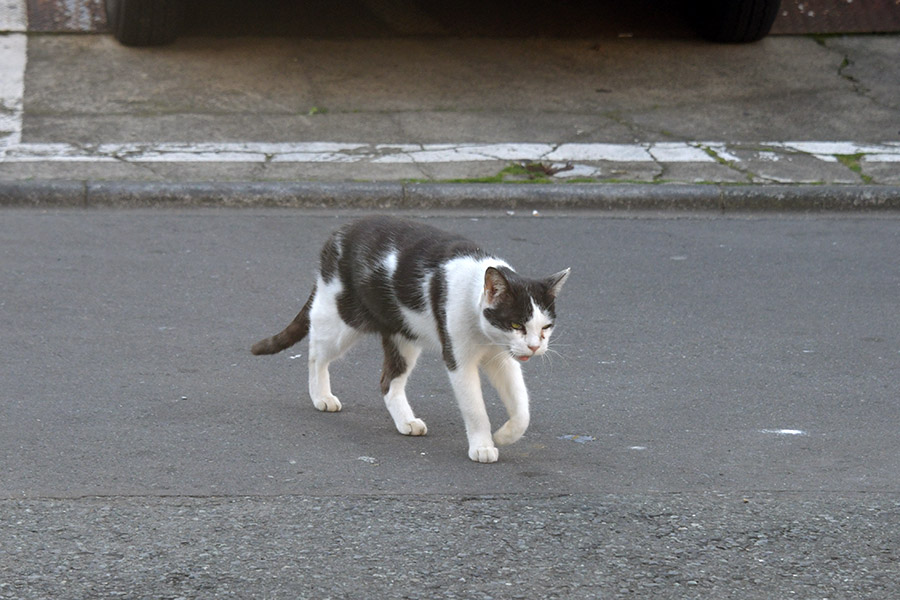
pixel 519 313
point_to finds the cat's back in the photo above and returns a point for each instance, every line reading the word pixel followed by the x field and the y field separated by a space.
pixel 414 245
pixel 389 269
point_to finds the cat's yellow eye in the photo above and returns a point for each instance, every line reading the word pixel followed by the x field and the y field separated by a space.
pixel 548 326
pixel 516 325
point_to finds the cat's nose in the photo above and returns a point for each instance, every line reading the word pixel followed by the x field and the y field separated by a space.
pixel 534 348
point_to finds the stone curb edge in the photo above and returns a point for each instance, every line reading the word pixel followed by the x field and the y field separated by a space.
pixel 470 196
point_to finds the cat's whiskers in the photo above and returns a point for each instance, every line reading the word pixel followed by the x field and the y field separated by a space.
pixel 555 342
pixel 556 352
pixel 549 356
pixel 499 357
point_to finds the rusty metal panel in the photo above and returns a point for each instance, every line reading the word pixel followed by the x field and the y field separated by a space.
pixel 66 15
pixel 837 16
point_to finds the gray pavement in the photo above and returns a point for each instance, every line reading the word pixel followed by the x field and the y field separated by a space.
pixel 720 420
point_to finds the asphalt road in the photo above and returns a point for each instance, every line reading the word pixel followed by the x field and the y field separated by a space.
pixel 719 421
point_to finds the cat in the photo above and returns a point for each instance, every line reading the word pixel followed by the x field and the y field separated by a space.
pixel 423 288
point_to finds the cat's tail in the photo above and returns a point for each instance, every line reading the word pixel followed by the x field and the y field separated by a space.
pixel 293 333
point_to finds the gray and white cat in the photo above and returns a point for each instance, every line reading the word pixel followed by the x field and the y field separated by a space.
pixel 420 287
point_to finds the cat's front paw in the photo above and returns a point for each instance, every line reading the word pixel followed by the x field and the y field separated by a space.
pixel 414 427
pixel 328 403
pixel 484 454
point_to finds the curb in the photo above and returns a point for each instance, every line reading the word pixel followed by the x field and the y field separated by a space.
pixel 395 195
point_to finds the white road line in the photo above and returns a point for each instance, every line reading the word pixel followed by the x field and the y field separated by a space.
pixel 798 432
pixel 12 88
pixel 13 50
pixel 13 16
pixel 13 151
pixel 828 151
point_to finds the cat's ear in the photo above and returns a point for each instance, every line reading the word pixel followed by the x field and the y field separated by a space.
pixel 555 282
pixel 495 284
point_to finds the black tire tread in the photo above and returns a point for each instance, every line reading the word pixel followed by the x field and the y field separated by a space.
pixel 145 22
pixel 736 21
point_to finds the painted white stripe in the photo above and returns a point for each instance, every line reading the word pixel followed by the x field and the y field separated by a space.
pixel 783 432
pixel 721 151
pixel 13 49
pixel 881 157
pixel 333 152
pixel 13 16
pixel 845 148
pixel 601 152
pixel 676 152
pixel 448 153
pixel 828 151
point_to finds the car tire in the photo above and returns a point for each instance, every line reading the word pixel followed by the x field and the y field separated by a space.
pixel 735 21
pixel 145 22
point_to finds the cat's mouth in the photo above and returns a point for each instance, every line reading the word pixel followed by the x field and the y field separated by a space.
pixel 524 357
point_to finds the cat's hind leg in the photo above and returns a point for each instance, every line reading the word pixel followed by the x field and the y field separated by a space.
pixel 329 339
pixel 506 376
pixel 400 356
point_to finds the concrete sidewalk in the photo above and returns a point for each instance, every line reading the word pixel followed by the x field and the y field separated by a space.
pixel 650 119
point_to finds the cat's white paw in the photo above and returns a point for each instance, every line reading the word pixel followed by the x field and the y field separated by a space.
pixel 414 427
pixel 509 433
pixel 484 454
pixel 328 403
